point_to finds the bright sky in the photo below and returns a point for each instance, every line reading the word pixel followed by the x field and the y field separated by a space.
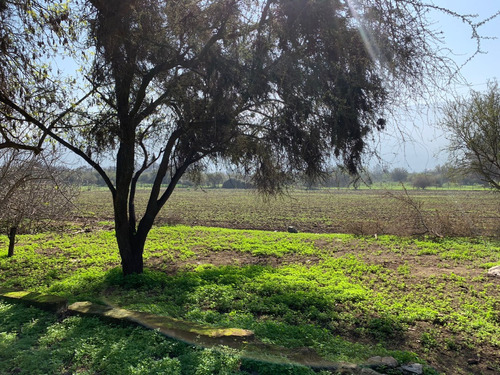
pixel 484 66
pixel 423 150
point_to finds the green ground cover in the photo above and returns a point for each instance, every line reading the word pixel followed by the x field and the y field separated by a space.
pixel 35 342
pixel 347 297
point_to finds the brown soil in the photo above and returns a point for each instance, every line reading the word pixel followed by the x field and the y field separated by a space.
pixel 226 258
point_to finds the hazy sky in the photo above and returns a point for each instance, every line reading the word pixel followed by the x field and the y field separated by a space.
pixel 424 140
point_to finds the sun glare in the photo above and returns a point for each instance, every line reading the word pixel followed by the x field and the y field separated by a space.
pixel 366 35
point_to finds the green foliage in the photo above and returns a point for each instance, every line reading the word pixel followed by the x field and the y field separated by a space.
pixel 429 340
pixel 87 346
pixel 293 290
pixel 212 361
pixel 259 367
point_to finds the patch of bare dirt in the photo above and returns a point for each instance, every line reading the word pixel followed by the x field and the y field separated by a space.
pixel 422 265
pixel 459 359
pixel 226 258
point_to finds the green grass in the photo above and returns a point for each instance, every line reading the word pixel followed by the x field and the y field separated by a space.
pixel 347 297
pixel 35 342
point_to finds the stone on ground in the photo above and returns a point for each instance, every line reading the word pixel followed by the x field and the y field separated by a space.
pixel 494 271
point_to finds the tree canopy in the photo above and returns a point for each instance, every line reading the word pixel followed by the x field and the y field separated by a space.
pixel 274 87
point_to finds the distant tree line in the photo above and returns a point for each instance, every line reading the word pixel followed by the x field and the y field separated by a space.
pixel 438 177
pixel 336 178
pixel 85 176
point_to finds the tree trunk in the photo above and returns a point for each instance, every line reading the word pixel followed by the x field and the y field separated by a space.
pixel 131 250
pixel 132 262
pixel 12 241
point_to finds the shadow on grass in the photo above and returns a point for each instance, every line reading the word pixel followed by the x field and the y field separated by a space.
pixel 88 345
pixel 283 306
pixel 232 296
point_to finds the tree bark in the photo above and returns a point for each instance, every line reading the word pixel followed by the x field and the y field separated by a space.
pixel 12 241
pixel 131 248
pixel 132 261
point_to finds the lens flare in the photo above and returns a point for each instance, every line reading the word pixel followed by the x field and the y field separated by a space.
pixel 366 35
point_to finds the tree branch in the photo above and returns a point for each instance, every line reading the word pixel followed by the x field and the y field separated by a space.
pixel 29 118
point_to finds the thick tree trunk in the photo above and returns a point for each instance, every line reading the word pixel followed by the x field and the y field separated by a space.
pixel 131 250
pixel 132 262
pixel 12 241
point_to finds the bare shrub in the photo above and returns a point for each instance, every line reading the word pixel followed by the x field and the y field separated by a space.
pixel 34 195
pixel 365 228
pixel 422 181
pixel 433 222
pixel 173 219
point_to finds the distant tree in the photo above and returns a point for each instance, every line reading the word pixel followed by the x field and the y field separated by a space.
pixel 379 174
pixel 338 177
pixel 234 183
pixel 468 179
pixel 215 179
pixel 83 176
pixel 473 125
pixel 186 182
pixel 442 174
pixel 273 86
pixel 399 175
pixel 422 181
pixel 34 193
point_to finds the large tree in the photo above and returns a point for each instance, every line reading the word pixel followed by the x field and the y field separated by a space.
pixel 272 86
pixel 473 128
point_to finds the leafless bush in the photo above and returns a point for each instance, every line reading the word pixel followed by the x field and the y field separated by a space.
pixel 33 193
pixel 432 222
pixel 365 228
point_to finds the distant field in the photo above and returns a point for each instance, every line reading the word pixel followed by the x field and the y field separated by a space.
pixel 367 212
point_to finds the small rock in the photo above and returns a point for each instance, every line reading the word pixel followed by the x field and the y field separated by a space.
pixel 347 366
pixel 473 361
pixel 413 368
pixel 292 230
pixel 347 369
pixel 376 362
pixel 494 271
pixel 369 371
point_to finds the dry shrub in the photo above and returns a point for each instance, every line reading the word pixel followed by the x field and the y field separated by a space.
pixel 433 222
pixel 453 225
pixel 365 228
